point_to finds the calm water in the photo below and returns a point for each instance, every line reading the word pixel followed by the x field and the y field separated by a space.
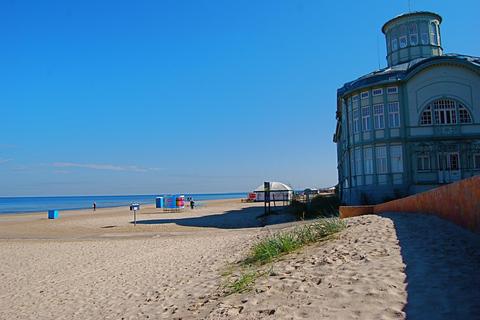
pixel 41 204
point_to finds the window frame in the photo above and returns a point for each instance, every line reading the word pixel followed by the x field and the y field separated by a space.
pixel 388 43
pixel 413 33
pixel 392 90
pixel 394 40
pixel 368 160
pixel 463 114
pixel 364 95
pixel 377 92
pixel 396 159
pixel 402 36
pixel 381 156
pixel 423 158
pixel 379 117
pixel 424 34
pixel 394 116
pixel 433 33
pixel 356 121
pixel 476 161
pixel 358 162
pixel 426 116
pixel 350 124
pixel 366 119
pixel 445 112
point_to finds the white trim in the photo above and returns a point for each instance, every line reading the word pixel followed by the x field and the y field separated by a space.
pixel 392 90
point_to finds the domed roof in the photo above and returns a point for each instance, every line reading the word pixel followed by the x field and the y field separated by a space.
pixel 412 15
pixel 274 186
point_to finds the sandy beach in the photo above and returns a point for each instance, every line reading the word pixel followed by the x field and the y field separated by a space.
pixel 98 265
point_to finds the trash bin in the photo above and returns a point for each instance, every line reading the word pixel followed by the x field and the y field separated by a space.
pixel 52 214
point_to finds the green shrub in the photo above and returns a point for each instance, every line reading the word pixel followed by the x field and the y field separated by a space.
pixel 320 206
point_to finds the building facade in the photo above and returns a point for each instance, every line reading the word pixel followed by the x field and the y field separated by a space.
pixel 412 126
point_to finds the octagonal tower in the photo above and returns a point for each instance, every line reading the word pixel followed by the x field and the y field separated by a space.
pixel 412 35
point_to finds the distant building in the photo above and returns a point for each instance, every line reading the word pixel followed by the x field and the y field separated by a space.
pixel 414 125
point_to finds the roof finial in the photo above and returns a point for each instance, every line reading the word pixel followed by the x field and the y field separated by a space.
pixel 409 7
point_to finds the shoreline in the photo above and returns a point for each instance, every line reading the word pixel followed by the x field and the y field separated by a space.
pixel 23 205
pixel 87 224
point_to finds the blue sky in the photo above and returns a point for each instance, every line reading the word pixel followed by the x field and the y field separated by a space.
pixel 154 97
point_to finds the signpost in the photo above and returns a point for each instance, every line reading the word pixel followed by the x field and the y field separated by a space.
pixel 266 188
pixel 134 207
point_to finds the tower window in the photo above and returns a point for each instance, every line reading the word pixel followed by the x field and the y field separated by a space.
pixel 364 95
pixel 433 33
pixel 394 40
pixel 424 32
pixel 377 92
pixel 388 43
pixel 413 34
pixel 402 34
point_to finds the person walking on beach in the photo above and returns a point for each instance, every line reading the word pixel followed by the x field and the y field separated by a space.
pixel 94 206
pixel 192 203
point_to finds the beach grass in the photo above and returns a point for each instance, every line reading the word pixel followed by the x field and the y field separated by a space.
pixel 277 244
pixel 242 277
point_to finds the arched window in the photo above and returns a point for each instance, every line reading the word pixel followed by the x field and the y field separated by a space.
pixel 388 42
pixel 413 34
pixel 445 113
pixel 433 33
pixel 464 115
pixel 394 40
pixel 424 32
pixel 426 116
pixel 402 34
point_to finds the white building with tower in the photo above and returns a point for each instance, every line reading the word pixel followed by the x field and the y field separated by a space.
pixel 414 125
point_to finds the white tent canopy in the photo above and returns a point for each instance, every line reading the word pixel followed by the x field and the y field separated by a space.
pixel 274 186
pixel 278 191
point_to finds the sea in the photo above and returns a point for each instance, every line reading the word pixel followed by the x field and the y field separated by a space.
pixel 18 205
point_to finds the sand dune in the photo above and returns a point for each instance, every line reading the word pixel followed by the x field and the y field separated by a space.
pixel 88 265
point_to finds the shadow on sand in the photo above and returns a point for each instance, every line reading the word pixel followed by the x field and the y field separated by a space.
pixel 442 262
pixel 235 219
